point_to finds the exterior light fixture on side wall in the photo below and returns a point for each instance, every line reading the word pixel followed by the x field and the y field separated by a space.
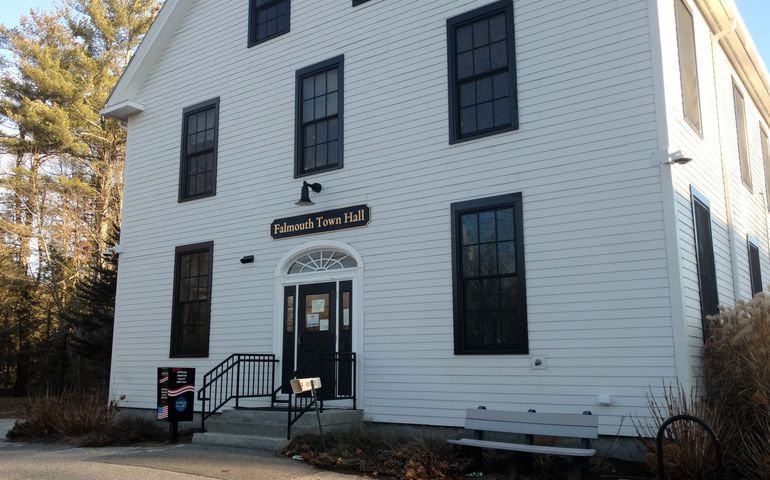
pixel 677 158
pixel 304 199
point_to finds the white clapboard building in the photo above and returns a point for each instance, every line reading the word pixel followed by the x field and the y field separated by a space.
pixel 498 207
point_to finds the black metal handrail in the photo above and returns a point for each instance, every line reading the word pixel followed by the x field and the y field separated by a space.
pixel 241 375
pixel 343 366
pixel 709 430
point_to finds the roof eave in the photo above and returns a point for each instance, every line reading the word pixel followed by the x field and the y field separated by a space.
pixel 122 110
pixel 146 56
pixel 725 20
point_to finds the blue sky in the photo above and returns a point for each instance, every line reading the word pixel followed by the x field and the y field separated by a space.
pixel 756 13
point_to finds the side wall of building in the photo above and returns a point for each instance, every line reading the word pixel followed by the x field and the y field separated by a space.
pixel 597 280
pixel 717 144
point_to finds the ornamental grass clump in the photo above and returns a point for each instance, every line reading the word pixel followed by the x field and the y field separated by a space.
pixel 688 451
pixel 736 373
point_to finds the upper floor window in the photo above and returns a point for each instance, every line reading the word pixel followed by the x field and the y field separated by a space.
pixel 319 117
pixel 688 67
pixel 755 268
pixel 743 144
pixel 192 300
pixel 766 161
pixel 490 314
pixel 482 72
pixel 198 166
pixel 268 19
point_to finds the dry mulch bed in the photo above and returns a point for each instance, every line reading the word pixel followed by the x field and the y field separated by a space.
pixel 424 458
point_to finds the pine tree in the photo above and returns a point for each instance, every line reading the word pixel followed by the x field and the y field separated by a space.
pixel 63 191
pixel 91 317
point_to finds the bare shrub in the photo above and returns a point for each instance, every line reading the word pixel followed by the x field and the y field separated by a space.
pixel 68 414
pixel 736 373
pixel 688 451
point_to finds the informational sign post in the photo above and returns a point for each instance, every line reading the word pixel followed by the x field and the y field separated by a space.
pixel 176 397
pixel 302 385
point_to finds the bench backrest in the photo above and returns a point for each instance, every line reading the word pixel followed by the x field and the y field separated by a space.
pixel 531 423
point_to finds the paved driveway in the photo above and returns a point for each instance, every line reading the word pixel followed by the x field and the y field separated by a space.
pixel 169 462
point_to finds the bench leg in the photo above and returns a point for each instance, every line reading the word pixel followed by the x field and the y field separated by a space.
pixel 577 466
pixel 513 473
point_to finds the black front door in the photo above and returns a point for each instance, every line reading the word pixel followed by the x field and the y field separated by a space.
pixel 317 334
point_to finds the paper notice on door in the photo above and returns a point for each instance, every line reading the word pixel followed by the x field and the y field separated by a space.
pixel 324 325
pixel 345 317
pixel 312 320
pixel 318 306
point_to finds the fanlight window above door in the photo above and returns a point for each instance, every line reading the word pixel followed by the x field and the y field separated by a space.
pixel 322 261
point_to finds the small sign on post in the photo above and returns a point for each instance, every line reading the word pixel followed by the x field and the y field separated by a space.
pixel 176 397
pixel 302 385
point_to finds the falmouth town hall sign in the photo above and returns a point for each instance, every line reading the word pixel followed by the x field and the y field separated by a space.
pixel 319 222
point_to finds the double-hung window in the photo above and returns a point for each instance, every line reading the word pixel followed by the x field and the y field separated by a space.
pixel 704 250
pixel 688 65
pixel 755 267
pixel 192 300
pixel 268 19
pixel 482 72
pixel 319 117
pixel 490 314
pixel 766 161
pixel 198 165
pixel 743 143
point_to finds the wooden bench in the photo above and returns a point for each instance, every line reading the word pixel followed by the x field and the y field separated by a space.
pixel 584 427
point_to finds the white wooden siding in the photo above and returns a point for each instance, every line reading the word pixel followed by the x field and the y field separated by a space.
pixel 597 279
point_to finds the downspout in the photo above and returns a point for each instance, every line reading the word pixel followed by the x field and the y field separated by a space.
pixel 725 170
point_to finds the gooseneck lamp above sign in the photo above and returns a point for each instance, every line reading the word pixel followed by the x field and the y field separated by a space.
pixel 304 199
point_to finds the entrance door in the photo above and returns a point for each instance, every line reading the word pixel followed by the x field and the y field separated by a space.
pixel 317 334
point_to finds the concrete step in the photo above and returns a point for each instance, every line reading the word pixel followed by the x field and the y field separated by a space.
pixel 272 423
pixel 269 429
pixel 277 417
pixel 252 442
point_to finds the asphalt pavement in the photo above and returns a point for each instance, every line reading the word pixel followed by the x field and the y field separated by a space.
pixel 31 461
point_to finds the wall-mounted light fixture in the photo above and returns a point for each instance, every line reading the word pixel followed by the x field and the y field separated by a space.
pixel 304 199
pixel 247 259
pixel 677 158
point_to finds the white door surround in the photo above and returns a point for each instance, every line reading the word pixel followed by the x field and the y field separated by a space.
pixel 331 268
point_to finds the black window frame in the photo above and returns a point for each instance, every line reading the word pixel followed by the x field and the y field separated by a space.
pixel 453 24
pixel 514 201
pixel 755 265
pixel 175 350
pixel 359 2
pixel 253 11
pixel 742 138
pixel 708 291
pixel 695 123
pixel 337 62
pixel 184 196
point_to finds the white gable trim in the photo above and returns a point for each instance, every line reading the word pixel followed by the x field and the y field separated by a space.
pixel 122 110
pixel 121 103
